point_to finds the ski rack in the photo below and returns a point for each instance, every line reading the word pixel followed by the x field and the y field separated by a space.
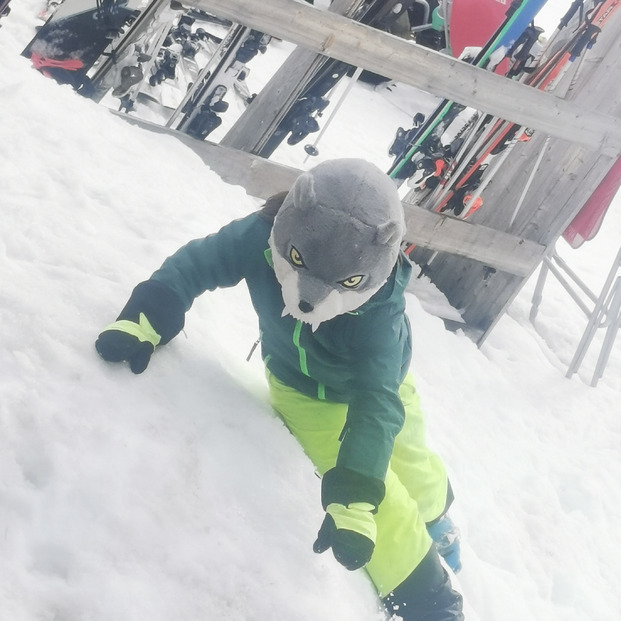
pixel 357 44
pixel 605 312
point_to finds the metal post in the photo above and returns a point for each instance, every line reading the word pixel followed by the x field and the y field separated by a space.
pixel 537 294
pixel 614 313
pixel 592 326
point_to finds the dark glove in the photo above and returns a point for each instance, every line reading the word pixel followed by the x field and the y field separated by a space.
pixel 152 316
pixel 127 340
pixel 350 500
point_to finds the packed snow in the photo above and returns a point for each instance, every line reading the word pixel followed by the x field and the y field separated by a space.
pixel 178 494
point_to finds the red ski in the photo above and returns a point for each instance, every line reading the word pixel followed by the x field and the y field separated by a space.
pixel 503 135
pixel 587 223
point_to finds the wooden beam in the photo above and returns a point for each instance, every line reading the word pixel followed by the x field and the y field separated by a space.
pixel 363 46
pixel 495 249
pixel 263 178
pixel 259 177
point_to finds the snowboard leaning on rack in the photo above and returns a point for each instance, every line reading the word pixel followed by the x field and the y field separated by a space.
pixel 75 36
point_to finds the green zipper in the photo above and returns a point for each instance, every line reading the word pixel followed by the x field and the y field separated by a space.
pixel 297 331
pixel 301 351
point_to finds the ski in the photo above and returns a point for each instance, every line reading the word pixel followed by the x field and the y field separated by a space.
pixel 199 112
pixel 132 71
pixel 117 65
pixel 461 193
pixel 158 58
pixel 427 137
pixel 544 75
pixel 434 169
pixel 301 118
pixel 504 134
pixel 179 59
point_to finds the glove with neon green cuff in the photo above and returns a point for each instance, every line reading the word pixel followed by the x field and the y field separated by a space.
pixel 152 316
pixel 350 499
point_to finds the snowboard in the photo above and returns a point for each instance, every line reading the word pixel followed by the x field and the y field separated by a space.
pixel 4 8
pixel 473 22
pixel 75 36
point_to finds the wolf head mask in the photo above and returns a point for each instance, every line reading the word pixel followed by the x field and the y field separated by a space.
pixel 336 239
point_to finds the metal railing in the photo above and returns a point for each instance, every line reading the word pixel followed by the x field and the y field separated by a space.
pixel 603 311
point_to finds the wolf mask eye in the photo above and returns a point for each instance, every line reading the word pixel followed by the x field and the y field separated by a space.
pixel 352 282
pixel 296 258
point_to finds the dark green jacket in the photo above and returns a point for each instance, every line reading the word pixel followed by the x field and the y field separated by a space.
pixel 359 358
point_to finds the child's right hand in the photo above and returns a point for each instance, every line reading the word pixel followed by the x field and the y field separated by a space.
pixel 127 340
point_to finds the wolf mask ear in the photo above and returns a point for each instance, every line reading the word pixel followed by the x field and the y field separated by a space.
pixel 303 192
pixel 389 233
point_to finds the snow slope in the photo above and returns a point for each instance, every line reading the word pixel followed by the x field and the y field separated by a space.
pixel 178 494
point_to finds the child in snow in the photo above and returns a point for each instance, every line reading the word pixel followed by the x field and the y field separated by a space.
pixel 327 278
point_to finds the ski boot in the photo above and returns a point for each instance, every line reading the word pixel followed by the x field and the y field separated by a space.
pixel 446 539
pixel 405 137
pixel 207 119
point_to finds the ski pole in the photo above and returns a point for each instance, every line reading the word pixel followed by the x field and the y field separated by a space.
pixel 529 181
pixel 311 149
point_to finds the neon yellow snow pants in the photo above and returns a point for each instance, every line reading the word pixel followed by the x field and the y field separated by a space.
pixel 416 481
